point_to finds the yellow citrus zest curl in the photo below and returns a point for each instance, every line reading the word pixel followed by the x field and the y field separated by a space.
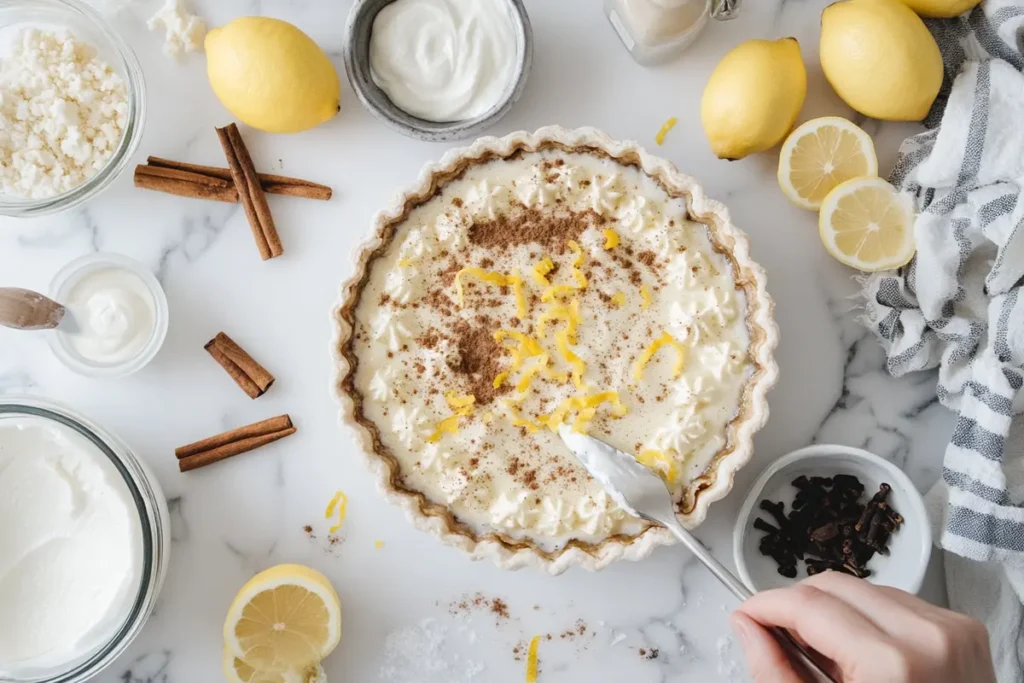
pixel 665 339
pixel 540 271
pixel 619 299
pixel 339 501
pixel 527 378
pixel 518 420
pixel 579 367
pixel 661 463
pixel 665 128
pixel 479 273
pixel 531 660
pixel 645 296
pixel 611 239
pixel 586 407
pixel 570 314
pixel 517 289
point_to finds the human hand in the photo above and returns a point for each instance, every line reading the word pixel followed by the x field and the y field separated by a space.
pixel 872 634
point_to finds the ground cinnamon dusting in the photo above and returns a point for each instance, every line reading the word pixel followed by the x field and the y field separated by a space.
pixel 480 361
pixel 526 226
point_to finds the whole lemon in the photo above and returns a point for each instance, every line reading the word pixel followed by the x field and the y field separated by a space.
pixel 271 75
pixel 941 8
pixel 753 97
pixel 880 58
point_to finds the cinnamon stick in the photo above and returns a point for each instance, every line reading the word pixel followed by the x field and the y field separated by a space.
pixel 233 442
pixel 165 180
pixel 252 377
pixel 272 184
pixel 250 192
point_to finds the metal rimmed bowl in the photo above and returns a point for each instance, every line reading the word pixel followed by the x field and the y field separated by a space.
pixel 357 66
pixel 88 25
pixel 154 521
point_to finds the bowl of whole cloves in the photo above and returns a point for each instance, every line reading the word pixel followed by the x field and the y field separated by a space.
pixel 832 508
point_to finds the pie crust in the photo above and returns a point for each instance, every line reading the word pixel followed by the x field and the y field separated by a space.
pixel 717 479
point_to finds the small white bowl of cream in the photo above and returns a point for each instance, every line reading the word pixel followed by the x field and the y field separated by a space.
pixel 438 70
pixel 84 542
pixel 119 312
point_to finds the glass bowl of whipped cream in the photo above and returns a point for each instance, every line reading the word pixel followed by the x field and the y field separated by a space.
pixel 84 542
pixel 438 71
pixel 117 316
pixel 72 105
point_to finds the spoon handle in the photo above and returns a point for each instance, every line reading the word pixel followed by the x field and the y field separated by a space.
pixel 24 309
pixel 810 659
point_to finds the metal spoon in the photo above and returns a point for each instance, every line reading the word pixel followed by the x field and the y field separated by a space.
pixel 23 309
pixel 643 493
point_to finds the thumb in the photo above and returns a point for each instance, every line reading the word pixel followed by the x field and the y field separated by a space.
pixel 766 660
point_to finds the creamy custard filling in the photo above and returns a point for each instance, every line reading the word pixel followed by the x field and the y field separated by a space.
pixel 553 288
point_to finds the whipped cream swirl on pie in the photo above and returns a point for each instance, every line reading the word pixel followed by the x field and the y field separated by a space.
pixel 551 288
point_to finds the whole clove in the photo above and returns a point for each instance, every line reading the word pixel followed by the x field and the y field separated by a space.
pixel 829 527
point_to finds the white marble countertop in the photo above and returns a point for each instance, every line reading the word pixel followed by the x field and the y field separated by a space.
pixel 235 518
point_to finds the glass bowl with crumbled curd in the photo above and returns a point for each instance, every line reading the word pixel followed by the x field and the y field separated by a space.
pixel 72 105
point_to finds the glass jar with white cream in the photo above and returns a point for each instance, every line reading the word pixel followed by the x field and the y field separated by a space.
pixel 118 315
pixel 657 30
pixel 84 540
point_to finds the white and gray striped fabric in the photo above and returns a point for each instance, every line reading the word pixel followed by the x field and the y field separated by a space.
pixel 958 305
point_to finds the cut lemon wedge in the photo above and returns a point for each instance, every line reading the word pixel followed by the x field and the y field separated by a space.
pixel 238 671
pixel 284 619
pixel 867 224
pixel 821 154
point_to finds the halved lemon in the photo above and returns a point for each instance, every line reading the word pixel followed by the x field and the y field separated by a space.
pixel 819 155
pixel 867 224
pixel 284 619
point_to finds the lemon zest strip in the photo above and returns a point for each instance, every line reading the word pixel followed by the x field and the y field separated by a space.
pixel 619 299
pixel 661 463
pixel 645 295
pixel 517 289
pixel 527 378
pixel 578 365
pixel 341 500
pixel 665 128
pixel 531 660
pixel 611 239
pixel 540 270
pixel 570 314
pixel 665 339
pixel 329 512
pixel 456 401
pixel 449 425
pixel 480 274
pixel 517 420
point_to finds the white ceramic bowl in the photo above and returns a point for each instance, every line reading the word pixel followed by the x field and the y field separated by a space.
pixel 909 547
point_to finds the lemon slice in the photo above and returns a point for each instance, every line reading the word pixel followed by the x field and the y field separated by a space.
pixel 284 619
pixel 819 155
pixel 238 671
pixel 867 224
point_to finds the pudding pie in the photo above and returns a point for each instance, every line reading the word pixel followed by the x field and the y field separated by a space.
pixel 546 279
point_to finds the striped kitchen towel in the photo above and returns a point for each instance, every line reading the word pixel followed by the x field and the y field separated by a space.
pixel 958 305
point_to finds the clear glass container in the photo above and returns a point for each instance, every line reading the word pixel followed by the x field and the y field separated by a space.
pixel 154 520
pixel 88 25
pixel 657 30
pixel 72 274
